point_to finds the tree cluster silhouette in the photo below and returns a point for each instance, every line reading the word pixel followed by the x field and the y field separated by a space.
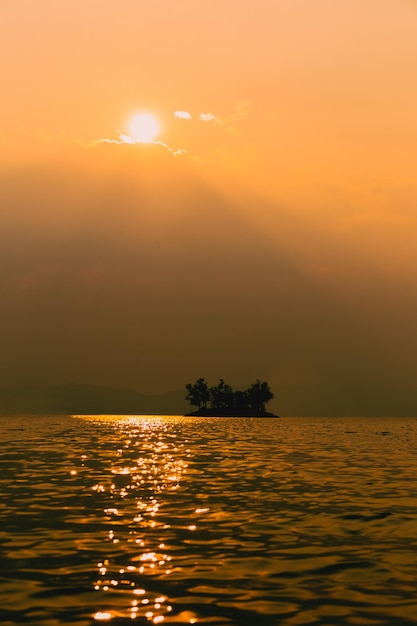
pixel 222 400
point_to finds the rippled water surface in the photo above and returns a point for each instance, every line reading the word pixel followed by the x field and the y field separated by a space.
pixel 178 520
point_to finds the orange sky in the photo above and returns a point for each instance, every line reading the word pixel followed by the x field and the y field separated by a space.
pixel 297 187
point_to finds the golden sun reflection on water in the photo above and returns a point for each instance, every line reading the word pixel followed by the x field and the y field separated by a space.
pixel 142 476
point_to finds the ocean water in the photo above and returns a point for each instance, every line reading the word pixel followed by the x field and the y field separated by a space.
pixel 173 520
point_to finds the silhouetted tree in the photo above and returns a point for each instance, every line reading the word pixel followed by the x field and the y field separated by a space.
pixel 221 396
pixel 257 395
pixel 198 394
pixel 240 403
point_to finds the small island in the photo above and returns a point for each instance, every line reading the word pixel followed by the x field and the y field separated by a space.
pixel 223 401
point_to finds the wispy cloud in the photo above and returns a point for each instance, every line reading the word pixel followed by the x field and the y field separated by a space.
pixel 127 139
pixel 230 122
pixel 122 139
pixel 183 115
pixel 210 117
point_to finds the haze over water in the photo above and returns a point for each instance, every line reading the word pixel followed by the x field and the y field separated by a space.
pixel 289 522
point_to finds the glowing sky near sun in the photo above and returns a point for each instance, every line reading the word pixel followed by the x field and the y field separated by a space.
pixel 183 183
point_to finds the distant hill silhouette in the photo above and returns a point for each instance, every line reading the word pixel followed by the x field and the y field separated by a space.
pixel 88 399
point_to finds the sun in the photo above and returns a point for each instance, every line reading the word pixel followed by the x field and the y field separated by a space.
pixel 144 127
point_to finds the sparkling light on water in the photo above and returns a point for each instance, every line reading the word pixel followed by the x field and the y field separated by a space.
pixel 141 475
pixel 102 616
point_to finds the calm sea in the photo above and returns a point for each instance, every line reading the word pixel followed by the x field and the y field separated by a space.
pixel 173 520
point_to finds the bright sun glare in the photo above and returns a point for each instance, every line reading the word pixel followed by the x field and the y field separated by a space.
pixel 144 127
